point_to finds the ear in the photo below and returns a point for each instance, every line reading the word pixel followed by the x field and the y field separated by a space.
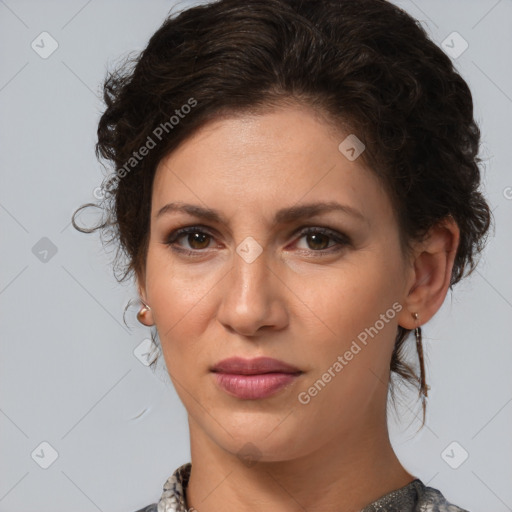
pixel 147 317
pixel 430 273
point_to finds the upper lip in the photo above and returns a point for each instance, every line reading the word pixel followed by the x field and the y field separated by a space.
pixel 241 366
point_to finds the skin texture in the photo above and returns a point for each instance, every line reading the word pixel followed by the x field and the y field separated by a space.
pixel 290 303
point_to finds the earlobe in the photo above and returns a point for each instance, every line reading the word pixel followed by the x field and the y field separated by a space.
pixel 432 270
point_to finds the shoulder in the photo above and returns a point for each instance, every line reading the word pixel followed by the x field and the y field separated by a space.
pixel 432 500
pixel 149 508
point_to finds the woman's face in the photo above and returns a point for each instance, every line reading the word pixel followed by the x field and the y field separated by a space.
pixel 252 283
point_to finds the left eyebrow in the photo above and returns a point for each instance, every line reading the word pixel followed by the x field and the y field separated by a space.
pixel 283 216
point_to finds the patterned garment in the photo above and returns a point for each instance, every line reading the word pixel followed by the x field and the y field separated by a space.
pixel 413 497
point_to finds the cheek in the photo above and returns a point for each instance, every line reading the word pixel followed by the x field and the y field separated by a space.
pixel 358 303
pixel 360 308
pixel 178 303
pixel 353 296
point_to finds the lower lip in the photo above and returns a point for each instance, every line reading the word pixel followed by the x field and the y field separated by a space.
pixel 253 387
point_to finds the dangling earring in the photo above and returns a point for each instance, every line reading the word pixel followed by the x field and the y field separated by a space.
pixel 419 347
pixel 142 312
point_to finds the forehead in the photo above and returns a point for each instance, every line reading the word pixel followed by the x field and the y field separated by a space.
pixel 260 162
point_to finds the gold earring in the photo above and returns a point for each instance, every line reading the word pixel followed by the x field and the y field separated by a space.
pixel 142 312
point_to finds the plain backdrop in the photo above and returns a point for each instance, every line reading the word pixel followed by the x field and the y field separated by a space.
pixel 85 425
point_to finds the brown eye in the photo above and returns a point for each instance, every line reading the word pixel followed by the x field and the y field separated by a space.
pixel 196 238
pixel 322 240
pixel 317 241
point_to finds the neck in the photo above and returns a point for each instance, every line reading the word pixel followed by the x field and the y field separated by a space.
pixel 345 474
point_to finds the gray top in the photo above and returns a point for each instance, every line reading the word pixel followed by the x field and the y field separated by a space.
pixel 413 497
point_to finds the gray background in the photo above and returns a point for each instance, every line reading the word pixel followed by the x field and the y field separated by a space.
pixel 69 376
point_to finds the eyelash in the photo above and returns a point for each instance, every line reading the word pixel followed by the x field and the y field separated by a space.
pixel 341 239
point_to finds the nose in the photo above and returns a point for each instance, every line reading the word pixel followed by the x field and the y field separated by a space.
pixel 253 297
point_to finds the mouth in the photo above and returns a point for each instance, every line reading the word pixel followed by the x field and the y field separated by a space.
pixel 253 379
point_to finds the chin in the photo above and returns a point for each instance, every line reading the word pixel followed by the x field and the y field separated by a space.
pixel 261 441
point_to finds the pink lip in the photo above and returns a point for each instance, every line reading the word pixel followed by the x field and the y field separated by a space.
pixel 253 379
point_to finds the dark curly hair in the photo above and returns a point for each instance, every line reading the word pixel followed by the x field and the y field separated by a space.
pixel 366 65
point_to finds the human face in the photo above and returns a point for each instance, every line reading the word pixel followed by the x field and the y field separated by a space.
pixel 305 299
